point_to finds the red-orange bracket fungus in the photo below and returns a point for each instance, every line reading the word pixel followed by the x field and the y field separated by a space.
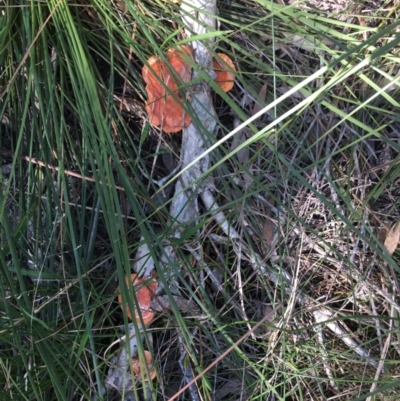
pixel 144 291
pixel 224 68
pixel 162 107
pixel 164 103
pixel 138 367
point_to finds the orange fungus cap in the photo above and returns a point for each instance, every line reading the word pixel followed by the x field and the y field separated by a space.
pixel 224 68
pixel 144 291
pixel 164 102
pixel 137 367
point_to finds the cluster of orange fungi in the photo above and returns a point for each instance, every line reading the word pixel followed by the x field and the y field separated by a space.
pixel 144 290
pixel 164 103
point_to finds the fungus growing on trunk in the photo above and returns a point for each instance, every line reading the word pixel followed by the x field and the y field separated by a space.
pixel 164 100
pixel 140 370
pixel 144 291
pixel 224 68
pixel 164 103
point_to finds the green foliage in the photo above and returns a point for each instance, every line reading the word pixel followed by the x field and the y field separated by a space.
pixel 75 202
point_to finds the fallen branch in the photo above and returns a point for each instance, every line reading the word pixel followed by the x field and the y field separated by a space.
pixel 184 208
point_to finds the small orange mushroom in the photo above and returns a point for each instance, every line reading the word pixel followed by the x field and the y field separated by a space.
pixel 144 290
pixel 162 107
pixel 138 367
pixel 224 69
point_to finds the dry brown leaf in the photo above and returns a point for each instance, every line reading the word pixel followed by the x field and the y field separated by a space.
pixel 269 230
pixel 261 97
pixel 242 154
pixel 381 233
pixel 393 238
